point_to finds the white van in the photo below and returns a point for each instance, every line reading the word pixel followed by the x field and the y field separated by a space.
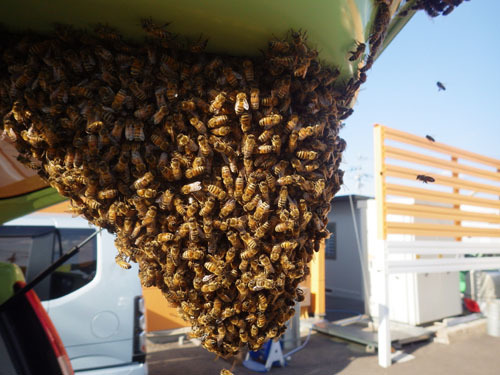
pixel 96 306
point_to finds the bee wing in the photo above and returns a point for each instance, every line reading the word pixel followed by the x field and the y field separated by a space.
pixel 245 105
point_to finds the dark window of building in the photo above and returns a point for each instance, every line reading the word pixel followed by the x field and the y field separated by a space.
pixel 331 243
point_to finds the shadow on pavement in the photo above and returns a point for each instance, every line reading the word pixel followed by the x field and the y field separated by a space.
pixel 322 355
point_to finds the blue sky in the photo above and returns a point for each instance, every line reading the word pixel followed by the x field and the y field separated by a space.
pixel 461 50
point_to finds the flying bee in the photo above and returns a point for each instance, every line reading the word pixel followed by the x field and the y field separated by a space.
pixel 218 102
pixel 241 103
pixel 356 54
pixel 425 179
pixel 430 138
pixel 270 120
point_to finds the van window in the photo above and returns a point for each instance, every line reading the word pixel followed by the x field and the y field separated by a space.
pixel 79 269
pixel 34 248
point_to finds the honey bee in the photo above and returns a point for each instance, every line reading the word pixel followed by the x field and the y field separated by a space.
pixel 187 143
pixel 107 194
pixel 269 101
pixel 216 191
pixel 275 253
pixel 249 190
pixel 172 90
pixel 143 181
pixel 239 185
pixel 193 255
pixel 224 148
pixel 191 188
pixel 283 196
pixel 265 149
pixel 261 210
pixel 221 131
pixel 248 71
pixel 217 121
pixel 283 88
pixel 137 132
pixel 271 120
pixel 261 230
pixel 228 207
pixel 279 46
pixel 227 178
pixel 302 68
pixel 207 207
pixel 306 155
pixel 425 179
pixel 289 245
pixel 241 103
pixel 218 102
pixel 122 262
pixel 248 146
pixel 194 172
pixel 276 144
pixel 175 166
pixel 147 193
pixel 230 76
pixel 356 54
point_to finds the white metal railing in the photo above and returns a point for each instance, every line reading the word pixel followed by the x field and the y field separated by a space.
pixel 387 265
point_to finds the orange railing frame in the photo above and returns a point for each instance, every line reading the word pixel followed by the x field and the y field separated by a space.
pixel 453 174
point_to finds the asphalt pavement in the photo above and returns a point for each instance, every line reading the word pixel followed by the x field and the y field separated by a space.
pixel 475 354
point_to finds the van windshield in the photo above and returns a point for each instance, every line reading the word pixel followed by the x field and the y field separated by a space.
pixel 34 248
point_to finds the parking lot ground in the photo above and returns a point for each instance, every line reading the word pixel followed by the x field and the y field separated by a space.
pixel 324 355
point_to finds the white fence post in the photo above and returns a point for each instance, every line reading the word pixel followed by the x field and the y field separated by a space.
pixel 384 333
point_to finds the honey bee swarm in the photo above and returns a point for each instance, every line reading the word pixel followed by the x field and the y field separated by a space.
pixel 215 172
